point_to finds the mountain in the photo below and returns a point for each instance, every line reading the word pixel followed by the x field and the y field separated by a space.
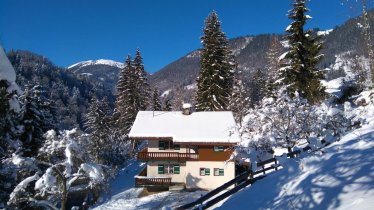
pixel 179 77
pixel 104 72
pixel 70 92
pixel 177 80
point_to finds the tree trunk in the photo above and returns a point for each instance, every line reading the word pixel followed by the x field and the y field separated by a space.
pixel 64 194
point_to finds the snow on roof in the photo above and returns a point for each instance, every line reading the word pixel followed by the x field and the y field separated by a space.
pixel 186 106
pixel 203 127
pixel 6 69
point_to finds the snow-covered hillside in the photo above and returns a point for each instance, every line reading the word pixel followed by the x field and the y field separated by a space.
pixel 340 176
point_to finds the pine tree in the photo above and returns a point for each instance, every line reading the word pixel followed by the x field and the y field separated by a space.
pixel 217 68
pixel 156 103
pixel 132 96
pixel 168 105
pixel 301 73
pixel 37 118
pixel 273 66
pixel 258 90
pixel 141 82
pixel 98 125
pixel 369 46
pixel 126 98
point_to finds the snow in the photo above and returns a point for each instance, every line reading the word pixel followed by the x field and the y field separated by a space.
pixel 6 69
pixel 191 86
pixel 186 106
pixel 166 93
pixel 196 127
pixel 308 17
pixel 285 44
pixel 94 171
pixel 8 73
pixel 237 50
pixel 97 62
pixel 324 33
pixel 339 176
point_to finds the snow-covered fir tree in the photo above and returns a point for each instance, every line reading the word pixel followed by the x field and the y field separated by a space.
pixel 301 72
pixel 98 125
pixel 168 104
pixel 258 90
pixel 142 85
pixel 36 118
pixel 126 98
pixel 369 46
pixel 272 67
pixel 132 96
pixel 156 103
pixel 215 80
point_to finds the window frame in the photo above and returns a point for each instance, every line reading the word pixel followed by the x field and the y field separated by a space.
pixel 218 148
pixel 219 172
pixel 206 172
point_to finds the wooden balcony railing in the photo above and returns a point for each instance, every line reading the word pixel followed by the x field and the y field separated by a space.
pixel 142 180
pixel 146 156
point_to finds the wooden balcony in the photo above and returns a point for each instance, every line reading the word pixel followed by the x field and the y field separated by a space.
pixel 144 155
pixel 143 181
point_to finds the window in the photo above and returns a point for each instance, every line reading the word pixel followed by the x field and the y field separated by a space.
pixel 161 145
pixel 161 169
pixel 176 169
pixel 219 148
pixel 169 169
pixel 204 171
pixel 219 172
pixel 177 147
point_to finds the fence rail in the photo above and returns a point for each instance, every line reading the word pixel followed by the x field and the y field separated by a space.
pixel 146 156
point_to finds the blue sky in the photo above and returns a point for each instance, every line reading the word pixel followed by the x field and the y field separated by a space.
pixel 69 31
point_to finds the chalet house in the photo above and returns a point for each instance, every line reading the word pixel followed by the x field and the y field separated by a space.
pixel 189 149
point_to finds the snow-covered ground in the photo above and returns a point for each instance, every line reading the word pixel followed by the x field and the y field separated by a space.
pixel 340 176
pixel 123 195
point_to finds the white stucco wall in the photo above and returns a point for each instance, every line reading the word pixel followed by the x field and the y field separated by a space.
pixel 194 180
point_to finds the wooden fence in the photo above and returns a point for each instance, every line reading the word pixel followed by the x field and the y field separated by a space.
pixel 241 181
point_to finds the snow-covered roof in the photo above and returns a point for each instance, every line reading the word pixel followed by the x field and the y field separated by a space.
pixel 198 127
pixel 6 69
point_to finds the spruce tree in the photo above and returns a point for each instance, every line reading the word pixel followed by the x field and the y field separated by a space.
pixel 126 98
pixel 156 103
pixel 168 105
pixel 258 90
pixel 273 65
pixel 217 68
pixel 37 118
pixel 301 73
pixel 141 83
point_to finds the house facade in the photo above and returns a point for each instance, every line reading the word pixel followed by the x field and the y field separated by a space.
pixel 193 150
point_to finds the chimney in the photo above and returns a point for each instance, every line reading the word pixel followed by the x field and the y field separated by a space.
pixel 186 109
